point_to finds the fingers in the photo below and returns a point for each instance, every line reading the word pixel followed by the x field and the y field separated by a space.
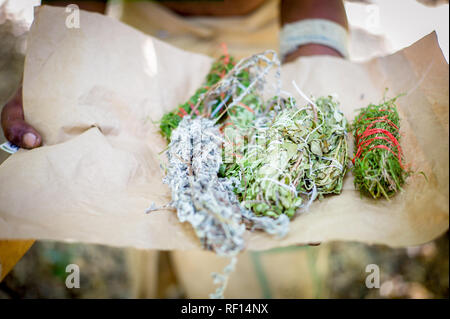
pixel 16 130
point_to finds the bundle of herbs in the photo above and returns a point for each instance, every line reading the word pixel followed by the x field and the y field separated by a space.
pixel 379 168
pixel 237 160
pixel 226 84
pixel 201 197
pixel 291 156
pixel 222 186
pixel 219 69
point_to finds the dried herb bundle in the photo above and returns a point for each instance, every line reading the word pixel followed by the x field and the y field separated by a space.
pixel 293 153
pixel 378 160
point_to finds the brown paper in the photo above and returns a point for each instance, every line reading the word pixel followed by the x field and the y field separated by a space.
pixel 95 92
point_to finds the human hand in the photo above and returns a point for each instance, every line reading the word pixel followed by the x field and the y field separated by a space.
pixel 16 130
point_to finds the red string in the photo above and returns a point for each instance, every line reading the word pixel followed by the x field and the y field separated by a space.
pixel 248 108
pixel 362 143
pixel 182 112
pixel 225 52
pixel 225 125
pixel 377 120
pixel 193 108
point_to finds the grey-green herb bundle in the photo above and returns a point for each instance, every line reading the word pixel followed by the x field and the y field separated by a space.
pixel 199 195
pixel 289 157
pixel 378 160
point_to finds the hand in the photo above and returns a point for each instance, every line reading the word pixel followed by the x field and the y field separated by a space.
pixel 16 130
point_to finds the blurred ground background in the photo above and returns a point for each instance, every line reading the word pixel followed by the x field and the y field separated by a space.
pixel 413 272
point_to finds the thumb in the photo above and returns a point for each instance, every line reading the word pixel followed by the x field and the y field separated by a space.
pixel 16 130
pixel 22 134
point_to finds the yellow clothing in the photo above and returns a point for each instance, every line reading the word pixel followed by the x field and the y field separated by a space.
pixel 243 35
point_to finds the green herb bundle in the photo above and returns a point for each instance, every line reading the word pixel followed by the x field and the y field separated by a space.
pixel 290 155
pixel 195 106
pixel 378 160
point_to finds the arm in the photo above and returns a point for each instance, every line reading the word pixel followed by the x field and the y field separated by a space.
pixel 297 10
pixel 13 123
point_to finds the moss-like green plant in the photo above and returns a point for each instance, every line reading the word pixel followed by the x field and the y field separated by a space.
pixel 378 160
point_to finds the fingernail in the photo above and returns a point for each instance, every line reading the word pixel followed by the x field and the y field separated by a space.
pixel 29 140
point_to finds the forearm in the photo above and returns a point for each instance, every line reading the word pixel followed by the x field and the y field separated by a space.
pixel 297 10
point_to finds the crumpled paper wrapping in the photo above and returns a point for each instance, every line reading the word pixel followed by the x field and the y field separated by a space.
pixel 95 92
